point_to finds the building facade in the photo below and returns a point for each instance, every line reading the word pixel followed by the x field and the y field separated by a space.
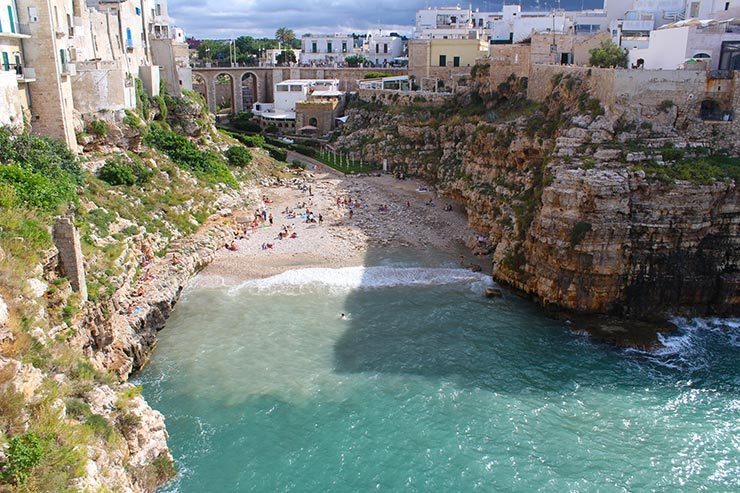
pixel 15 74
pixel 302 106
pixel 73 59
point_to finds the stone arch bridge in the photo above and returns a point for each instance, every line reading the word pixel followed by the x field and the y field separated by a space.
pixel 247 85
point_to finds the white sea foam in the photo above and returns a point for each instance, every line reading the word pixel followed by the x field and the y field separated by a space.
pixel 363 278
pixel 681 349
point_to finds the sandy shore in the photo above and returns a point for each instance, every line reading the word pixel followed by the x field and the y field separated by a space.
pixel 391 213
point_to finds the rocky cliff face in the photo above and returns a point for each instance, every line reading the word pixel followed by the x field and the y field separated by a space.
pixel 64 362
pixel 584 209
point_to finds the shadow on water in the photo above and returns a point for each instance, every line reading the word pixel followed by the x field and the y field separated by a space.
pixel 453 333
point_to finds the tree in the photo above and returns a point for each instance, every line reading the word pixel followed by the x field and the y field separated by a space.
pixel 608 55
pixel 355 60
pixel 284 36
pixel 286 57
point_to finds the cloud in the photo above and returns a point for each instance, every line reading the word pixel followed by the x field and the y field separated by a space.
pixel 233 18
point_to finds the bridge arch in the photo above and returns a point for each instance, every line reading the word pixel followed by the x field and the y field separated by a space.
pixel 224 91
pixel 249 91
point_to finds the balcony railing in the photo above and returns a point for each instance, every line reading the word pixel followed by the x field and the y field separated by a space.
pixel 25 74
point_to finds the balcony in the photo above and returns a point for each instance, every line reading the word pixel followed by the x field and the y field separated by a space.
pixel 17 31
pixel 25 74
pixel 69 69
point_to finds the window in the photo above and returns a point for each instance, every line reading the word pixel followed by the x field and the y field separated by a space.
pixel 329 47
pixel 344 47
pixel 314 47
pixel 385 48
pixel 129 38
pixel 456 61
pixel 12 20
pixel 377 48
pixel 63 60
pixel 6 61
pixel 727 5
pixel 159 9
pixel 694 11
pixel 442 60
pixel 138 11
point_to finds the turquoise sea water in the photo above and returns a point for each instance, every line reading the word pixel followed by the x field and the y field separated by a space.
pixel 431 387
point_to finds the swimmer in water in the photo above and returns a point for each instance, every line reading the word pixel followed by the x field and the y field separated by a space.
pixel 343 317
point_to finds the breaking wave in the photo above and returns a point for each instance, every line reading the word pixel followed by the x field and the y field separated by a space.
pixel 363 278
pixel 686 348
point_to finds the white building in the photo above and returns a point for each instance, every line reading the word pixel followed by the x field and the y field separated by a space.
pixel 14 74
pixel 515 26
pixel 270 57
pixel 382 49
pixel 511 25
pixel 289 93
pixel 327 49
pixel 449 23
pixel 717 42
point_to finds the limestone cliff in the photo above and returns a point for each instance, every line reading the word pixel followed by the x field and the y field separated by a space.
pixel 584 209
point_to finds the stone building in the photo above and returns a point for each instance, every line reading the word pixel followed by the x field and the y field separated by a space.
pixel 434 62
pixel 85 57
pixel 15 75
pixel 302 106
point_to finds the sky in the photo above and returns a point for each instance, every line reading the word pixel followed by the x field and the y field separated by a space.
pixel 223 19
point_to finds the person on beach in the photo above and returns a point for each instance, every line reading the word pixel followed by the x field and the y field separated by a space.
pixel 321 219
pixel 351 213
pixel 270 219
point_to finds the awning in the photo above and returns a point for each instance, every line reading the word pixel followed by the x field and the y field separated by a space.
pixel 307 127
pixel 343 119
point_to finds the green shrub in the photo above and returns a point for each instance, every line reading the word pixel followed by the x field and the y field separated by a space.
pixel 77 408
pixel 205 164
pixel 131 119
pixel 376 75
pixel 99 128
pixel 38 190
pixel 608 55
pixel 277 153
pixel 665 105
pixel 128 422
pixel 251 140
pixel 100 426
pixel 579 233
pixel 42 172
pixel 24 453
pixel 162 106
pixel 245 122
pixel 120 171
pixel 594 107
pixel 672 154
pixel 117 172
pixel 304 149
pixel 142 101
pixel 238 156
pixel 271 129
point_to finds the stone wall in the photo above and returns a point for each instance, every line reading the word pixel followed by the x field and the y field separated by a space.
pixel 101 86
pixel 665 97
pixel 67 241
pixel 403 98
